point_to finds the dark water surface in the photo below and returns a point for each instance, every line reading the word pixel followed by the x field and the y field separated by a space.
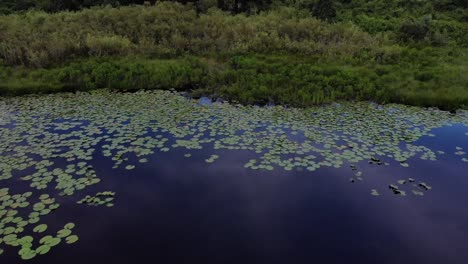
pixel 284 189
pixel 179 210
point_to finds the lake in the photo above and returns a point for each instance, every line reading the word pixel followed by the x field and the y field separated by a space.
pixel 156 177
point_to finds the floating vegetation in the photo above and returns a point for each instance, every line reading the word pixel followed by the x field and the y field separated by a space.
pixel 425 186
pixel 101 198
pixel 40 228
pixel 49 143
pixel 461 152
pixel 26 243
pixel 212 158
pixel 130 167
pixel 17 212
pixel 422 186
pixel 396 190
pixel 71 239
pixel 357 176
pixel 375 160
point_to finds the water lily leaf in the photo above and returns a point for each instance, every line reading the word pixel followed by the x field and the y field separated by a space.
pixel 46 239
pixel 27 253
pixel 71 239
pixel 69 226
pixel 44 249
pixel 40 228
pixel 130 167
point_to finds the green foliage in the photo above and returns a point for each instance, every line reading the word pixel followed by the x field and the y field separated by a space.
pixel 125 74
pixel 294 52
pixel 204 5
pixel 37 39
pixel 324 10
pixel 416 30
pixel 263 79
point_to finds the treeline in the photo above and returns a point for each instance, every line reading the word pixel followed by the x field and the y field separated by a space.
pixel 295 53
pixel 323 8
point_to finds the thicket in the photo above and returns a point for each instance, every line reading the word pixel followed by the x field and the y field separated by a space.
pixel 38 39
pixel 290 52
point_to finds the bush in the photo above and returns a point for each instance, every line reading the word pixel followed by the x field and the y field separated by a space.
pixel 107 45
pixel 324 10
pixel 415 30
pixel 166 30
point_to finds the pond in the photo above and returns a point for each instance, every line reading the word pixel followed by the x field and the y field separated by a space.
pixel 155 177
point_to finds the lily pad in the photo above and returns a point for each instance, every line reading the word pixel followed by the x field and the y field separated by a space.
pixel 27 253
pixel 44 249
pixel 69 226
pixel 71 239
pixel 130 167
pixel 63 233
pixel 40 228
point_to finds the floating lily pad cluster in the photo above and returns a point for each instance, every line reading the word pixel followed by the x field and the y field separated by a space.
pixel 417 189
pixel 49 141
pixel 19 218
pixel 212 158
pixel 461 152
pixel 101 198
pixel 29 251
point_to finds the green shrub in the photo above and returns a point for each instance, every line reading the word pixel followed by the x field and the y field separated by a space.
pixel 415 30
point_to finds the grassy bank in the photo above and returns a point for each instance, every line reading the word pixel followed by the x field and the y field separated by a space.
pixel 283 55
pixel 252 79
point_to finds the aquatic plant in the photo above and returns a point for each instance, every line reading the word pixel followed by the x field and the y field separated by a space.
pixel 50 142
pixel 101 198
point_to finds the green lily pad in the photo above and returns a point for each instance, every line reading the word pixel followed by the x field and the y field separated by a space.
pixel 71 239
pixel 28 254
pixel 26 240
pixel 130 167
pixel 44 249
pixel 10 238
pixel 63 233
pixel 40 228
pixel 46 239
pixel 69 226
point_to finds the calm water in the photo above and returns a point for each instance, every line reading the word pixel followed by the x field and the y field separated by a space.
pixel 179 210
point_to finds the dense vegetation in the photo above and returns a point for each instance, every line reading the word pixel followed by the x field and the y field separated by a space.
pixel 289 52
